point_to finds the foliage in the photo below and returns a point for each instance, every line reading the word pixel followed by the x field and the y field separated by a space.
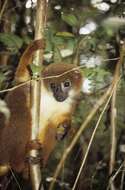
pixel 11 41
pixel 70 19
pixel 64 42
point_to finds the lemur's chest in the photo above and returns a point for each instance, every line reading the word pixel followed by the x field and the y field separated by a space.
pixel 52 113
pixel 51 108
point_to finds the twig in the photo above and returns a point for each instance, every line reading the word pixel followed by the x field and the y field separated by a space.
pixel 117 172
pixel 122 178
pixel 3 8
pixel 14 177
pixel 113 136
pixel 115 175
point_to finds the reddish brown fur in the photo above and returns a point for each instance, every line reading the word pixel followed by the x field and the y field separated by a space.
pixel 15 136
pixel 22 72
pixel 48 136
pixel 57 69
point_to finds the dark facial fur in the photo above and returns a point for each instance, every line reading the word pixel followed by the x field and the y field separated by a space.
pixel 60 86
pixel 61 90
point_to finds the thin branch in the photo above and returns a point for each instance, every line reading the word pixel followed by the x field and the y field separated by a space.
pixel 3 8
pixel 122 178
pixel 13 175
pixel 38 79
pixel 113 135
pixel 42 78
pixel 116 174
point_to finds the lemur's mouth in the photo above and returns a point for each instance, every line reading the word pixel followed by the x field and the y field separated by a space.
pixel 61 97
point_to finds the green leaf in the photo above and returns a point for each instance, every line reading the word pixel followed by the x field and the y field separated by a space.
pixel 58 40
pixel 57 55
pixel 11 41
pixel 71 44
pixel 2 77
pixel 65 34
pixel 70 19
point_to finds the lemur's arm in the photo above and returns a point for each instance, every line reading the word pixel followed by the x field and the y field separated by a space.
pixel 22 72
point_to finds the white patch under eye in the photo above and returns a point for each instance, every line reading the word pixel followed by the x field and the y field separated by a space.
pixel 5 110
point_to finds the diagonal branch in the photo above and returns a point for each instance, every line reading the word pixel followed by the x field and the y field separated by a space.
pixel 3 8
pixel 92 137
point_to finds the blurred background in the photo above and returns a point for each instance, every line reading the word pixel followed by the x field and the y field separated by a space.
pixel 89 34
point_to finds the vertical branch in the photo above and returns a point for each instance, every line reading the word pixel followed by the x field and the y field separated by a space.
pixel 113 135
pixel 113 121
pixel 35 171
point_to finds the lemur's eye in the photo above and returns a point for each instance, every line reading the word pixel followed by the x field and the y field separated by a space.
pixel 67 83
pixel 52 85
